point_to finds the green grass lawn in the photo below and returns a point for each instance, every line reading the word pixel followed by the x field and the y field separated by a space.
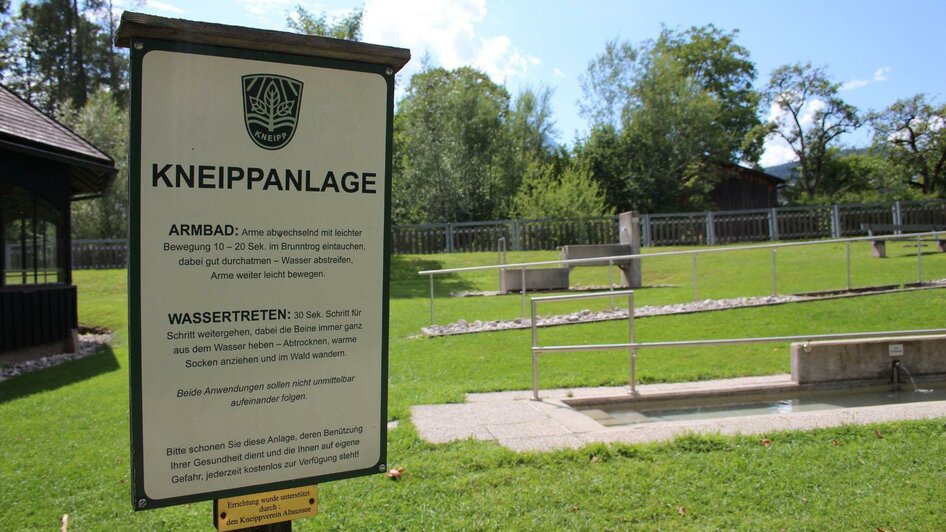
pixel 64 444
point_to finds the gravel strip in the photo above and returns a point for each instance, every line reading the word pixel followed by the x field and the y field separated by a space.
pixel 88 344
pixel 583 316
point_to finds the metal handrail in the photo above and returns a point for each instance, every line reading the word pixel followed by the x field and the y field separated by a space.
pixel 635 346
pixel 522 266
pixel 536 349
pixel 616 258
pixel 734 341
pixel 592 295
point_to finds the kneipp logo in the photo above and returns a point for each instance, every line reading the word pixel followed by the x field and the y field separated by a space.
pixel 271 109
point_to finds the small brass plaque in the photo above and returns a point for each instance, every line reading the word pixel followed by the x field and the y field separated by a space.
pixel 234 513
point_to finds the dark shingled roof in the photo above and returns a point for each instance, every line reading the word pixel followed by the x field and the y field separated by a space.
pixel 23 128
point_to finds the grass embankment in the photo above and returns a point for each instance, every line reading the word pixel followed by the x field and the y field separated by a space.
pixel 64 431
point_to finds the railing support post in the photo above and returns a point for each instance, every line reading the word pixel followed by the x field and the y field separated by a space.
pixel 535 356
pixel 774 276
pixel 522 272
pixel 919 262
pixel 696 294
pixel 848 265
pixel 432 322
pixel 631 340
pixel 611 280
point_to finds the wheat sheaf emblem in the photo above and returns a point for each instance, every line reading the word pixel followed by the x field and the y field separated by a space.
pixel 271 109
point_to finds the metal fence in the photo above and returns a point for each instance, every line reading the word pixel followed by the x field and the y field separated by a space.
pixel 693 228
pixel 99 254
pixel 710 228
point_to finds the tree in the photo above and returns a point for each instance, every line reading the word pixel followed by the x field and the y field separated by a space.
pixel 661 110
pixel 6 27
pixel 450 139
pixel 604 156
pixel 115 60
pixel 811 119
pixel 347 27
pixel 722 69
pixel 59 53
pixel 912 132
pixel 673 129
pixel 607 82
pixel 530 133
pixel 859 176
pixel 531 126
pixel 573 194
pixel 103 123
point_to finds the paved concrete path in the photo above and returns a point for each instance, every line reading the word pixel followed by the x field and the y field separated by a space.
pixel 516 422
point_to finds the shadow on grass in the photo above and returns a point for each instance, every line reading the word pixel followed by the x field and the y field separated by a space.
pixel 102 361
pixel 405 283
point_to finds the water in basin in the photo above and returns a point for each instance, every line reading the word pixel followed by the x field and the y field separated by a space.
pixel 628 413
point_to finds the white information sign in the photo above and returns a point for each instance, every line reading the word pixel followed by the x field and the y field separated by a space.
pixel 259 279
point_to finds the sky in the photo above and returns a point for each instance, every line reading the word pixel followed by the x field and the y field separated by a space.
pixel 880 51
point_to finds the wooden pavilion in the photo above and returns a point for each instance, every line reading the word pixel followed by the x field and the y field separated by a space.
pixel 43 168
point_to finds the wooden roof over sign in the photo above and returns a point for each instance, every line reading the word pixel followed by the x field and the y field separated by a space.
pixel 25 129
pixel 149 26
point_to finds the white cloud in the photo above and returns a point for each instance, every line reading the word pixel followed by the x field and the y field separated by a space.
pixel 808 112
pixel 775 152
pixel 162 6
pixel 879 75
pixel 499 60
pixel 806 117
pixel 268 9
pixel 447 32
pixel 854 84
pixel 558 73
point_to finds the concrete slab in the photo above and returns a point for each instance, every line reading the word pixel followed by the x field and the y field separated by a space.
pixel 513 420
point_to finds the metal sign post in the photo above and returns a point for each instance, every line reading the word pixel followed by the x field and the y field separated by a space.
pixel 260 167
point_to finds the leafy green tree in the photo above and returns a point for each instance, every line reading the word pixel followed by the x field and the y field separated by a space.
pixel 347 27
pixel 661 111
pixel 6 27
pixel 812 118
pixel 722 69
pixel 531 126
pixel 572 194
pixel 113 61
pixel 59 52
pixel 607 83
pixel 103 123
pixel 450 142
pixel 859 177
pixel 670 133
pixel 530 145
pixel 603 155
pixel 912 133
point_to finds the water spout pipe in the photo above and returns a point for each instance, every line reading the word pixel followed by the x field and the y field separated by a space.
pixel 895 375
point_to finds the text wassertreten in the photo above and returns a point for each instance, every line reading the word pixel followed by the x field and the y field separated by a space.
pixel 227 316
